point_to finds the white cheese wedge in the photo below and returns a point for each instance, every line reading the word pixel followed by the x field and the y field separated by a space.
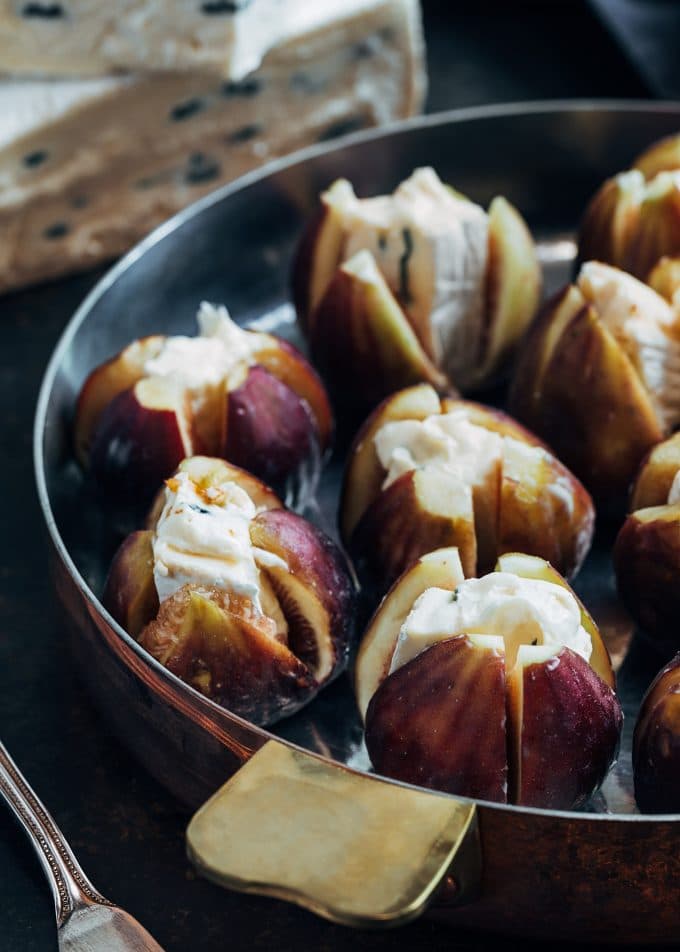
pixel 521 611
pixel 432 247
pixel 88 167
pixel 204 539
pixel 646 326
pixel 97 37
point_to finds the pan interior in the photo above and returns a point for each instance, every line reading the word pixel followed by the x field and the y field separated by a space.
pixel 236 248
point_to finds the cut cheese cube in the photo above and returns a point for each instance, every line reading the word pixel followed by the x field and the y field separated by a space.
pixel 87 167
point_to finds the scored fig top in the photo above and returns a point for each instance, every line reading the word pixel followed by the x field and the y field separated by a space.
pixel 419 285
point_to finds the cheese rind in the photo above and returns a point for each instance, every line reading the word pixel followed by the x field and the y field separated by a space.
pixel 149 145
pixel 97 37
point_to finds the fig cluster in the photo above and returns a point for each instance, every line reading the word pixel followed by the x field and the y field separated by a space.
pixel 480 673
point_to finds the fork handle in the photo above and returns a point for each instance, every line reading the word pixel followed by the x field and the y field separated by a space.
pixel 70 886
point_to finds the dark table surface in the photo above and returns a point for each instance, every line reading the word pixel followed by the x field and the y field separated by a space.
pixel 126 830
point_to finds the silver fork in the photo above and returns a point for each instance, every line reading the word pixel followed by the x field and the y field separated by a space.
pixel 86 921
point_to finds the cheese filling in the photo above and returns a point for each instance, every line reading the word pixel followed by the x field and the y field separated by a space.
pixel 522 611
pixel 203 538
pixel 448 441
pixel 431 245
pixel 221 352
pixel 645 325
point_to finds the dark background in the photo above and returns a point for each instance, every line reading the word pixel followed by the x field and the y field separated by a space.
pixel 127 832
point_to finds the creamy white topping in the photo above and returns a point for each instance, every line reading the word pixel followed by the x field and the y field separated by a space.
pixel 520 610
pixel 674 491
pixel 662 183
pixel 431 245
pixel 646 326
pixel 203 538
pixel 447 441
pixel 222 351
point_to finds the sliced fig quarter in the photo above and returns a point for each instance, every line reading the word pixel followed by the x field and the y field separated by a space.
pixel 418 513
pixel 564 725
pixel 364 474
pixel 359 323
pixel 269 428
pixel 439 720
pixel 141 437
pixel 287 364
pixel 106 382
pixel 130 593
pixel 227 656
pixel 314 589
pixel 441 568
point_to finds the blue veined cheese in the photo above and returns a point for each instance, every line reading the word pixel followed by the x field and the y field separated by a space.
pixel 431 245
pixel 520 611
pixel 97 37
pixel 88 167
pixel 646 326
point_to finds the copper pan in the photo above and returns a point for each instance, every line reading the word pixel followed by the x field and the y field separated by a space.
pixel 604 875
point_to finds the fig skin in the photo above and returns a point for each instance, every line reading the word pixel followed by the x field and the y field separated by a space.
pixel 439 721
pixel 270 430
pixel 602 427
pixel 111 378
pixel 656 744
pixel 566 726
pixel 224 654
pixel 647 565
pixel 135 448
pixel 656 474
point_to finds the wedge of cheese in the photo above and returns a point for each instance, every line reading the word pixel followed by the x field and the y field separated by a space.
pixel 87 167
pixel 99 37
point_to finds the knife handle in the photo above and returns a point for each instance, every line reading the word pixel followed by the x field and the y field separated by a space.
pixel 70 886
